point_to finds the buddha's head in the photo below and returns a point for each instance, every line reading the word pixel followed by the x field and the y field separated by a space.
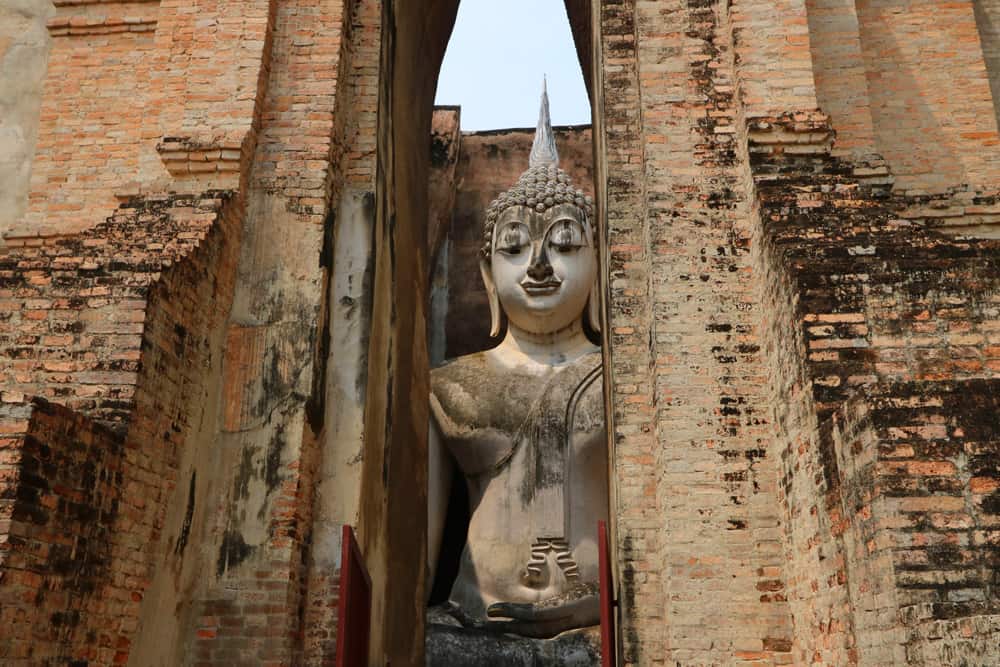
pixel 539 259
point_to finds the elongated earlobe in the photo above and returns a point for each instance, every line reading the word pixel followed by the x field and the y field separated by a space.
pixel 491 295
pixel 594 306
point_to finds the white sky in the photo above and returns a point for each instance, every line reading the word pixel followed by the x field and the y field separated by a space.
pixel 498 53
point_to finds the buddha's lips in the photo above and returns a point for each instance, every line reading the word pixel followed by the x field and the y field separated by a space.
pixel 546 287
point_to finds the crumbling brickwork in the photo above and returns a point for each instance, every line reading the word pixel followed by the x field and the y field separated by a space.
pixel 695 482
pixel 917 305
pixel 881 345
pixel 61 495
pixel 74 308
pixel 212 317
pixel 137 300
pixel 252 607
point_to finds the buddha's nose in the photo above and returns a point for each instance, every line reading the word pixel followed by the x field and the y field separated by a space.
pixel 540 269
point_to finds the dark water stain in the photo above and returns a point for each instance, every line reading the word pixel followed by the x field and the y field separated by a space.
pixel 182 539
pixel 233 551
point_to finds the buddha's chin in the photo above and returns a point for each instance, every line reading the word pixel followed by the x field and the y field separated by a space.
pixel 538 311
pixel 544 305
pixel 542 314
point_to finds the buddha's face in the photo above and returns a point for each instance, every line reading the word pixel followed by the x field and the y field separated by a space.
pixel 543 266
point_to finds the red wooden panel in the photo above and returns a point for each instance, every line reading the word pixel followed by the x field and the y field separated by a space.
pixel 354 606
pixel 608 645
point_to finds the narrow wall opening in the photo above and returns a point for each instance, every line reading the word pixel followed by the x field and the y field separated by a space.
pixel 409 237
pixel 484 123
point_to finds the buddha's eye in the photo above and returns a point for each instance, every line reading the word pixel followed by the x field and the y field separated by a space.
pixel 512 239
pixel 566 236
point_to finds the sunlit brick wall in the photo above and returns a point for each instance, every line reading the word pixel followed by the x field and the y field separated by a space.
pixel 988 20
pixel 930 95
pixel 839 72
pixel 94 138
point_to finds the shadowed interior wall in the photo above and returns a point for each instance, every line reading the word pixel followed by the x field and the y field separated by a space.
pixel 394 472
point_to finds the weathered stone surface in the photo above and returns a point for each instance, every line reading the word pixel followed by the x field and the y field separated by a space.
pixel 24 52
pixel 800 305
pixel 123 325
pixel 448 646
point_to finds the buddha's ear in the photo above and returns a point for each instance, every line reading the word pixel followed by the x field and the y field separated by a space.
pixel 491 295
pixel 594 305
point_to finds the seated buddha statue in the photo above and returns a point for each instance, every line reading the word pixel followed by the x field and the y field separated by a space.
pixel 523 423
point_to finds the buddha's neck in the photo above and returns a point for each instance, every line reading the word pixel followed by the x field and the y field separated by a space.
pixel 548 349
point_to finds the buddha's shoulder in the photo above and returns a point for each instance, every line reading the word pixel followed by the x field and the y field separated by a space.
pixel 477 375
pixel 466 379
pixel 461 370
pixel 475 391
pixel 460 392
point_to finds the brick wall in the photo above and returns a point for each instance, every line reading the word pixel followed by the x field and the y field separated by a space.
pixel 696 484
pixel 839 72
pixel 899 549
pixel 254 606
pixel 775 70
pixel 886 295
pixel 878 324
pixel 930 95
pixel 137 299
pixel 346 312
pixel 140 97
pixel 72 309
pixel 625 243
pixel 937 467
pixel 988 22
pixel 172 465
pixel 92 138
pixel 13 428
pixel 876 296
pixel 61 496
pixel 209 62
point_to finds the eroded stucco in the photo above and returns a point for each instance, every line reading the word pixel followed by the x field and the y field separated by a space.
pixel 24 55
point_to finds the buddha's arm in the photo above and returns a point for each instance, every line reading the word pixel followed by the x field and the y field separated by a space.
pixel 439 473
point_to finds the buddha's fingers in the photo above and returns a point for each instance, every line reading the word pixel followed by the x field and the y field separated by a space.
pixel 524 611
pixel 580 610
pixel 533 629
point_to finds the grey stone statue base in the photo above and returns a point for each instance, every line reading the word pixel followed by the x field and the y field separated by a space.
pixel 451 646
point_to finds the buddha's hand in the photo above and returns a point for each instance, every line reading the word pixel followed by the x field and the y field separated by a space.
pixel 544 619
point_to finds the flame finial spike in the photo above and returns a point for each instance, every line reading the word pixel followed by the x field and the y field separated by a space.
pixel 543 150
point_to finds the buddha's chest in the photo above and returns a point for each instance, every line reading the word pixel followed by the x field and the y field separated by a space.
pixel 536 427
